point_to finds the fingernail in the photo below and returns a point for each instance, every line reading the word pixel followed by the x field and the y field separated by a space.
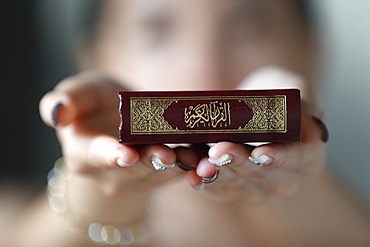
pixel 54 114
pixel 159 165
pixel 324 129
pixel 210 180
pixel 262 160
pixel 198 187
pixel 121 163
pixel 223 160
pixel 183 167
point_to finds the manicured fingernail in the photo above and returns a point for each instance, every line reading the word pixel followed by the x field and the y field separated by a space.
pixel 198 187
pixel 210 180
pixel 324 129
pixel 223 160
pixel 54 114
pixel 159 165
pixel 121 163
pixel 262 160
pixel 183 167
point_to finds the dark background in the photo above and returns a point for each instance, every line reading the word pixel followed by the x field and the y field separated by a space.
pixel 28 147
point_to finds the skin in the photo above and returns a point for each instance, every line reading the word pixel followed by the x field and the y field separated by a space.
pixel 218 49
pixel 196 45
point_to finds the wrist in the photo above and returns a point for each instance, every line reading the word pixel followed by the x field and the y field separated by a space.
pixel 86 210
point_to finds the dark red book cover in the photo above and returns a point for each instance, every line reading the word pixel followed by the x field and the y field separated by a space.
pixel 209 116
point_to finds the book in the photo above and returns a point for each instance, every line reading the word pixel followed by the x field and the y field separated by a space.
pixel 242 116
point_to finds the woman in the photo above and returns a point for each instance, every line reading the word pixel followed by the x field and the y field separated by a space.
pixel 271 195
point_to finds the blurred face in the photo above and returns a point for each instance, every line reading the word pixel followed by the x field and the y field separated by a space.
pixel 198 44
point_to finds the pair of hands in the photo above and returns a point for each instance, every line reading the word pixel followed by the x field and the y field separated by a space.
pixel 84 111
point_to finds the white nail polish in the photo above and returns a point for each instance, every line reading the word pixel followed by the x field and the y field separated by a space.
pixel 262 160
pixel 159 165
pixel 199 187
pixel 223 160
pixel 121 163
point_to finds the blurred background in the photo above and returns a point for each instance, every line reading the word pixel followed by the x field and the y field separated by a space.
pixel 36 50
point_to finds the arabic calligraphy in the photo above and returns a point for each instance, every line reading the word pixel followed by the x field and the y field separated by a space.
pixel 213 114
pixel 191 115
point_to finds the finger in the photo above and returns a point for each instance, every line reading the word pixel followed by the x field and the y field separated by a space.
pixel 225 153
pixel 159 157
pixel 87 151
pixel 236 156
pixel 230 186
pixel 205 169
pixel 243 180
pixel 194 180
pixel 76 96
pixel 220 154
pixel 307 156
pixel 187 158
pixel 141 175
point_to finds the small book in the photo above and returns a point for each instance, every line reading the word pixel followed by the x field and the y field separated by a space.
pixel 242 116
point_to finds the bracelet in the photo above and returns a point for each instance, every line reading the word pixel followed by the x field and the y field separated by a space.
pixel 100 234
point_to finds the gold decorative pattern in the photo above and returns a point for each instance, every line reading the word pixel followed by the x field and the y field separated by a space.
pixel 147 115
pixel 269 114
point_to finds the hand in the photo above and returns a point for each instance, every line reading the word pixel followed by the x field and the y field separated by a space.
pixel 84 111
pixel 276 178
pixel 281 167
